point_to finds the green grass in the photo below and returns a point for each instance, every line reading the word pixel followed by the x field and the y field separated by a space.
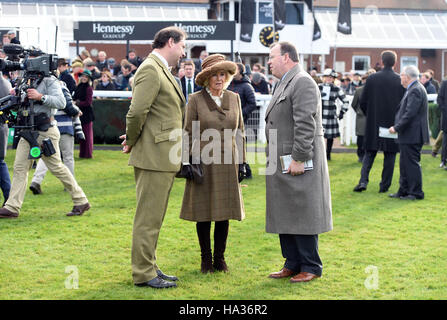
pixel 406 241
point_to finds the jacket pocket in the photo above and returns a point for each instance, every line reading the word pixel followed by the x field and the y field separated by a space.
pixel 164 136
pixel 282 98
pixel 169 124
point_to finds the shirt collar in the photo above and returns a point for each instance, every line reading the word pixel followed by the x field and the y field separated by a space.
pixel 159 56
pixel 408 87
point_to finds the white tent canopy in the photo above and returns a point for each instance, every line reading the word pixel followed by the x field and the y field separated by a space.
pixel 373 28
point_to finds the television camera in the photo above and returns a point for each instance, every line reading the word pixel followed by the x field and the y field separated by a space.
pixel 17 110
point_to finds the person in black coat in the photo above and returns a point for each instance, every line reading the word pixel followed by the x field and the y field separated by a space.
pixel 65 76
pixel 429 87
pixel 188 81
pixel 442 104
pixel 381 96
pixel 259 84
pixel 411 125
pixel 241 85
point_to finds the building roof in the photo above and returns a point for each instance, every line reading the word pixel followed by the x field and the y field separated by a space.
pixel 386 28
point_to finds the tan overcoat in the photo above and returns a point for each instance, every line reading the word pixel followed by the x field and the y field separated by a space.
pixel 219 197
pixel 298 204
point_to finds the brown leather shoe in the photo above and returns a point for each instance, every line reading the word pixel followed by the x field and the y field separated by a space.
pixel 303 277
pixel 79 210
pixel 6 214
pixel 284 273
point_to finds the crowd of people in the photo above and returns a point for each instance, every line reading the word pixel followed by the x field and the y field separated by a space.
pixel 220 95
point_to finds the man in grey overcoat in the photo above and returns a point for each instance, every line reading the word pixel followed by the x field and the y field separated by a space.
pixel 298 204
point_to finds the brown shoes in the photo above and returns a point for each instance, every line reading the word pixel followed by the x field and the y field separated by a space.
pixel 303 277
pixel 6 214
pixel 79 210
pixel 284 273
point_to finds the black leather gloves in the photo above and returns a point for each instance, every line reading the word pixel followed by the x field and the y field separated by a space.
pixel 242 171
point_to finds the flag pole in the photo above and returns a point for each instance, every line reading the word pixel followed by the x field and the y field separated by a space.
pixel 336 32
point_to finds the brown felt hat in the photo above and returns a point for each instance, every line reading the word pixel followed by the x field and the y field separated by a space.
pixel 213 64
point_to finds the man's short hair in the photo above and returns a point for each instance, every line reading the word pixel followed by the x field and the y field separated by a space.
pixel 427 75
pixel 389 58
pixel 412 72
pixel 128 67
pixel 240 68
pixel 189 63
pixel 162 37
pixel 62 62
pixel 287 47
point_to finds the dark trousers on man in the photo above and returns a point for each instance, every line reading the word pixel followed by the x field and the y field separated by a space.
pixel 360 148
pixel 301 253
pixel 387 172
pixel 444 147
pixel 410 170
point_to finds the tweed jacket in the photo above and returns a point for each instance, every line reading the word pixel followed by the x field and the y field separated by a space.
pixel 297 204
pixel 219 197
pixel 156 110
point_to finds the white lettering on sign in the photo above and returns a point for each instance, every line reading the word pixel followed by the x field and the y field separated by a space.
pixel 99 28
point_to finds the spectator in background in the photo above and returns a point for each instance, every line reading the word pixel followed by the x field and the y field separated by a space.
pixel 101 64
pixel 188 81
pixel 2 54
pixel 330 93
pixel 111 66
pixel 346 85
pixel 122 80
pixel 5 180
pixel 425 80
pixel 133 58
pixel 12 37
pixel 5 39
pixel 433 80
pixel 90 65
pixel 442 104
pixel 241 85
pixel 360 119
pixel 65 76
pixel 84 98
pixel 203 55
pixel 83 55
pixel 357 81
pixel 77 67
pixel 380 99
pixel 259 84
pixel 105 82
pixel 314 75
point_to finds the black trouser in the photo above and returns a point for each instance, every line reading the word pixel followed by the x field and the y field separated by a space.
pixel 388 168
pixel 360 148
pixel 410 170
pixel 301 253
pixel 444 147
pixel 220 237
pixel 329 144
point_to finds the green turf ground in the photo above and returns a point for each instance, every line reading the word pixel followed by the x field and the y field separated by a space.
pixel 380 248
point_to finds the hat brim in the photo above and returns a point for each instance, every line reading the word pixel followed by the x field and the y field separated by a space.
pixel 206 73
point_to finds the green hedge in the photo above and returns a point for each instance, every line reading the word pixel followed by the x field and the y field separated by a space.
pixel 110 120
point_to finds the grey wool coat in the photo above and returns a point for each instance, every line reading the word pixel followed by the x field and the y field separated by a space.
pixel 298 204
pixel 219 197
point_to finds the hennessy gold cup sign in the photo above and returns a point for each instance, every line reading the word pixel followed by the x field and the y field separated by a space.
pixel 267 36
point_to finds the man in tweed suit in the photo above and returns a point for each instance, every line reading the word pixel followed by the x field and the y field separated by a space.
pixel 298 203
pixel 157 109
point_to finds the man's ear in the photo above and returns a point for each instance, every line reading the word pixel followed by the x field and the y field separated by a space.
pixel 171 42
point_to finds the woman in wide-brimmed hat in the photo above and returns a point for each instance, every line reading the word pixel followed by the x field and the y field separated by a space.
pixel 84 97
pixel 219 197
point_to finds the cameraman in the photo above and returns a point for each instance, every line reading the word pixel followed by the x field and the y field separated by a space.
pixel 65 125
pixel 5 181
pixel 47 97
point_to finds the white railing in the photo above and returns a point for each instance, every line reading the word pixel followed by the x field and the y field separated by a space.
pixel 256 124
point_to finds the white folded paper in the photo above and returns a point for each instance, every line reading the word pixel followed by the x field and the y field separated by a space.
pixel 287 160
pixel 385 133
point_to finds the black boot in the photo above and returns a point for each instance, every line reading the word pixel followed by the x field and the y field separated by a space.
pixel 203 232
pixel 220 243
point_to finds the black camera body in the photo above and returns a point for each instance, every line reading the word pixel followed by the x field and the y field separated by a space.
pixel 20 59
pixel 17 110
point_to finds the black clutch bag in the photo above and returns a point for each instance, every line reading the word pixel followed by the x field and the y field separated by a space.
pixel 191 171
